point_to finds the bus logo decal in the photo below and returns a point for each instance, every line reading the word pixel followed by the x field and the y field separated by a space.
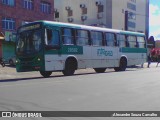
pixel 103 52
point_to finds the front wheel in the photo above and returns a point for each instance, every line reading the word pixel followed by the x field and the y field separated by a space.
pixel 45 74
pixel 70 68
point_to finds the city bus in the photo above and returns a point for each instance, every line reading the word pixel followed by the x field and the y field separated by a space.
pixel 47 46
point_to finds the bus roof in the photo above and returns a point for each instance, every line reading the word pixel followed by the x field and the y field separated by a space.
pixel 94 28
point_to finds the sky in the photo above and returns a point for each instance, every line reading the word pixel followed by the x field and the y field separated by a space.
pixel 154 19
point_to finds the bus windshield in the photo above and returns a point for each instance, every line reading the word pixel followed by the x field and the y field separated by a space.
pixel 29 42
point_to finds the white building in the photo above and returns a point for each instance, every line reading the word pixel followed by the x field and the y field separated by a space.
pixel 109 13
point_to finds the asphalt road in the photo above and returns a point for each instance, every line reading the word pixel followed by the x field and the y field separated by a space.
pixel 137 89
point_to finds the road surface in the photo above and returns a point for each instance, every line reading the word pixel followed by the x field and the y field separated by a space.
pixel 137 89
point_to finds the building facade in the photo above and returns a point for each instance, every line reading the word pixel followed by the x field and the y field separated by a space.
pixel 130 15
pixel 14 13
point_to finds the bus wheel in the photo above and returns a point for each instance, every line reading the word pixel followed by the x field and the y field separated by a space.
pixel 45 74
pixel 70 68
pixel 100 70
pixel 123 64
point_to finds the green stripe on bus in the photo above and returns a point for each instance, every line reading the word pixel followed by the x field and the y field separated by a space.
pixel 67 50
pixel 70 49
pixel 133 50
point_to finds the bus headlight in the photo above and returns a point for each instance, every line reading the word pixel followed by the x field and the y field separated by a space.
pixel 39 59
pixel 17 61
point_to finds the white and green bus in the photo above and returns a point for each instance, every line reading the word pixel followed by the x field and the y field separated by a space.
pixel 47 46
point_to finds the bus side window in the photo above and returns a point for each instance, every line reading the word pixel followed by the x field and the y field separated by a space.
pixel 110 39
pixel 132 41
pixel 121 39
pixel 82 37
pixel 97 38
pixel 52 37
pixel 67 36
pixel 141 42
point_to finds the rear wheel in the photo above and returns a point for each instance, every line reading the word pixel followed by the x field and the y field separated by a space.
pixel 100 70
pixel 122 65
pixel 70 67
pixel 45 74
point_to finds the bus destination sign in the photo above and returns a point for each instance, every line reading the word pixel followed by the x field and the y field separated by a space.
pixel 30 27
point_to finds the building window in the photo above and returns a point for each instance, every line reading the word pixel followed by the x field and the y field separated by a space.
pixel 100 8
pixel 9 2
pixel 46 7
pixel 84 11
pixel 28 4
pixel 8 24
pixel 131 6
pixel 134 1
pixel 131 24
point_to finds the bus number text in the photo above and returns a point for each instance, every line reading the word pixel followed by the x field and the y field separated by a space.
pixel 72 50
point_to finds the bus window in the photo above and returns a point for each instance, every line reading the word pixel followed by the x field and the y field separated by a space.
pixel 141 42
pixel 97 38
pixel 67 36
pixel 37 40
pixel 52 37
pixel 82 37
pixel 132 41
pixel 121 39
pixel 110 39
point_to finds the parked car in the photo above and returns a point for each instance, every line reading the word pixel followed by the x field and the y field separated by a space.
pixel 12 61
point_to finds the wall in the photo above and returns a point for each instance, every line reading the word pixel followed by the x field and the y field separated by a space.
pixel 20 14
pixel 118 14
pixel 92 9
pixel 113 16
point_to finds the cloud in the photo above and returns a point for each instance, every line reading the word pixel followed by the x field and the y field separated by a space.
pixel 154 21
pixel 154 15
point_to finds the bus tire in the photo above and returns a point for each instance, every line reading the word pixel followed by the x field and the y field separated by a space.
pixel 123 64
pixel 100 70
pixel 70 67
pixel 45 74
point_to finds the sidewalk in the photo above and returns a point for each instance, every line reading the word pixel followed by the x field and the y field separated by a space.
pixel 7 73
pixel 152 65
pixel 11 73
